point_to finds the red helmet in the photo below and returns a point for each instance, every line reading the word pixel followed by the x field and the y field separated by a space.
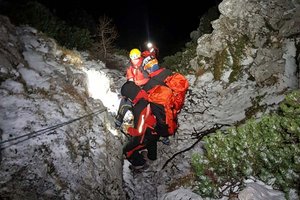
pixel 152 49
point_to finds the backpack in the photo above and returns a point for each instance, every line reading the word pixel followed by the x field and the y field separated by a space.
pixel 171 96
pixel 179 85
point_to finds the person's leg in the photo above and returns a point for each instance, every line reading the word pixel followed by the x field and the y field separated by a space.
pixel 131 151
pixel 151 145
pixel 124 106
pixel 136 159
pixel 152 150
pixel 162 130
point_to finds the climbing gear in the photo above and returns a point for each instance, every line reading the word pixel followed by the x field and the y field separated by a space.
pixel 171 95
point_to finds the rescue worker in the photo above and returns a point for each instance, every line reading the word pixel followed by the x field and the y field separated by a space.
pixel 151 68
pixel 137 74
pixel 143 132
pixel 157 76
pixel 135 71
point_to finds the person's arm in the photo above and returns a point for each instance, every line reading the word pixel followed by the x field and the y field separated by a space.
pixel 124 106
pixel 129 74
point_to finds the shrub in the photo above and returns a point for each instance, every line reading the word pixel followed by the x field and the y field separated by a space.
pixel 180 62
pixel 40 17
pixel 267 149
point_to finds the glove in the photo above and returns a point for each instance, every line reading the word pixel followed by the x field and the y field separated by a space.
pixel 117 124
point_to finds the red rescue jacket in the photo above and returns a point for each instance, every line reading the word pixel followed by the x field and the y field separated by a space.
pixel 143 116
pixel 136 73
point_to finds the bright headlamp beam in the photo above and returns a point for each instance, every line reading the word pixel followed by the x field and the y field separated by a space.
pixel 149 45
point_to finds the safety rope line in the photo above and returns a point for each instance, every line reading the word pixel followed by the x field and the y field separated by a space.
pixel 51 128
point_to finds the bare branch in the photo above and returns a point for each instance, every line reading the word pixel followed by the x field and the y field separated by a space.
pixel 199 135
pixel 107 34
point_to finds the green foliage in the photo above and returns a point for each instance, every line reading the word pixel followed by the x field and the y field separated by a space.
pixel 75 38
pixel 172 62
pixel 237 50
pixel 205 26
pixel 180 62
pixel 254 109
pixel 121 52
pixel 267 149
pixel 220 61
pixel 38 16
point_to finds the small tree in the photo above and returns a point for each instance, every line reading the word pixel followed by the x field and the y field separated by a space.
pixel 106 36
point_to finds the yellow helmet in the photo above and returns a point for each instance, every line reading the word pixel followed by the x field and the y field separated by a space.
pixel 134 54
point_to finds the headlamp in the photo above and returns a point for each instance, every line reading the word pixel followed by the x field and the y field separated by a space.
pixel 149 45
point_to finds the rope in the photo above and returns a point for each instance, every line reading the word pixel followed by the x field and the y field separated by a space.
pixel 46 130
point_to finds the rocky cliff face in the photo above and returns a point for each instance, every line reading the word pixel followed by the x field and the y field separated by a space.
pixel 251 56
pixel 250 60
pixel 47 150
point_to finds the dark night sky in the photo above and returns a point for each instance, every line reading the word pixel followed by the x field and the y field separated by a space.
pixel 167 23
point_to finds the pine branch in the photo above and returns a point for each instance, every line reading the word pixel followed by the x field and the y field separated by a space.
pixel 199 135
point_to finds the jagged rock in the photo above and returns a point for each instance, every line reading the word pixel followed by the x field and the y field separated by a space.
pixel 84 160
pixel 41 156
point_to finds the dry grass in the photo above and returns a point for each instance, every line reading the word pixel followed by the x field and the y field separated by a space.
pixel 221 58
pixel 199 72
pixel 185 181
pixel 71 57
